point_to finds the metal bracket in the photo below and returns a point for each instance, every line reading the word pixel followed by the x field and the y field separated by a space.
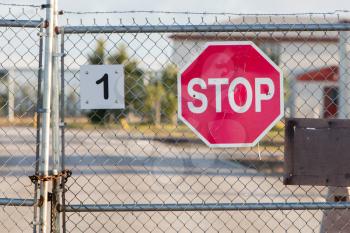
pixel 37 223
pixel 44 6
pixel 41 199
pixel 59 54
pixel 41 34
pixel 42 110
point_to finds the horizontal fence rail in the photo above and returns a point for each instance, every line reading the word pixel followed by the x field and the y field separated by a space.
pixel 20 23
pixel 207 28
pixel 184 28
pixel 186 207
pixel 16 202
pixel 208 207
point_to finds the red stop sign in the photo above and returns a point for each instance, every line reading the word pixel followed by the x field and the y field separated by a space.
pixel 230 94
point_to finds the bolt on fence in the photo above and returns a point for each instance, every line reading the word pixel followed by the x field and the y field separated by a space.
pixel 140 169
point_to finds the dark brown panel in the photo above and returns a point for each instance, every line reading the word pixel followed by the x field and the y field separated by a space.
pixel 317 152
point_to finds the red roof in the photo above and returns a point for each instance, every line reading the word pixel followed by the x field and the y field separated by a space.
pixel 329 73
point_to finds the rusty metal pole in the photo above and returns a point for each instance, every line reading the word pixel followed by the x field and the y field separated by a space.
pixel 38 125
pixel 62 126
pixel 44 156
pixel 56 168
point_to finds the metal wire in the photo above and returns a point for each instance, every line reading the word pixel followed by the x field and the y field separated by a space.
pixel 202 13
pixel 19 5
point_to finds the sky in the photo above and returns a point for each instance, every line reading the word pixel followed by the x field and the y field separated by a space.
pixel 229 6
pixel 236 6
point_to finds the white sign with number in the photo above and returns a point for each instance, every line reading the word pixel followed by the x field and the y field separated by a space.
pixel 102 87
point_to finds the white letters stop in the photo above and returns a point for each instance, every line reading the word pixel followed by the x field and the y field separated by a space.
pixel 219 82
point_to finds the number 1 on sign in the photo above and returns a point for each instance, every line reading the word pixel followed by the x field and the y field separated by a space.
pixel 102 87
pixel 104 79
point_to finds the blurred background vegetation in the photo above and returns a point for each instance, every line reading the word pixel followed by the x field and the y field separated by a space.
pixel 150 100
pixel 150 96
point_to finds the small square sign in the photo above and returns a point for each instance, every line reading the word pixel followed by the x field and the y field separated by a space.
pixel 102 87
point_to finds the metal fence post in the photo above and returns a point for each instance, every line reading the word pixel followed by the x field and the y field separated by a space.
pixel 344 75
pixel 38 125
pixel 55 215
pixel 62 126
pixel 44 158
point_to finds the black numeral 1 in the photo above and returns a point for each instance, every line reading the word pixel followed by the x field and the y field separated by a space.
pixel 104 79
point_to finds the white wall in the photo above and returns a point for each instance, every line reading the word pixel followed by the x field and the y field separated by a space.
pixel 299 57
pixel 308 99
pixel 295 57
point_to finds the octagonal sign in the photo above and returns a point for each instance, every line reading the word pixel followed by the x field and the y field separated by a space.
pixel 230 94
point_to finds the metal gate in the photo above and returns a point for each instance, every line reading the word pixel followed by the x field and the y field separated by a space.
pixel 139 169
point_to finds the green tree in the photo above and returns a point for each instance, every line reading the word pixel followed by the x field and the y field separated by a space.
pixel 169 102
pixel 98 57
pixel 134 84
pixel 273 52
pixel 155 95
pixel 169 78
pixel 3 96
pixel 3 104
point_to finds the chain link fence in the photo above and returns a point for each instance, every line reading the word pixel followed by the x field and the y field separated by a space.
pixel 20 47
pixel 141 170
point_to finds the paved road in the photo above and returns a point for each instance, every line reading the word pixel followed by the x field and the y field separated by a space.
pixel 112 167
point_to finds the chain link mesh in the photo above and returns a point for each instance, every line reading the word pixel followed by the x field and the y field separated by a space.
pixel 19 62
pixel 143 154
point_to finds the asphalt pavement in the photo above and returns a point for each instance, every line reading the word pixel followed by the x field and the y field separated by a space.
pixel 112 167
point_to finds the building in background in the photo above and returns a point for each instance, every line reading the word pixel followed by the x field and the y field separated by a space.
pixel 18 92
pixel 315 94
